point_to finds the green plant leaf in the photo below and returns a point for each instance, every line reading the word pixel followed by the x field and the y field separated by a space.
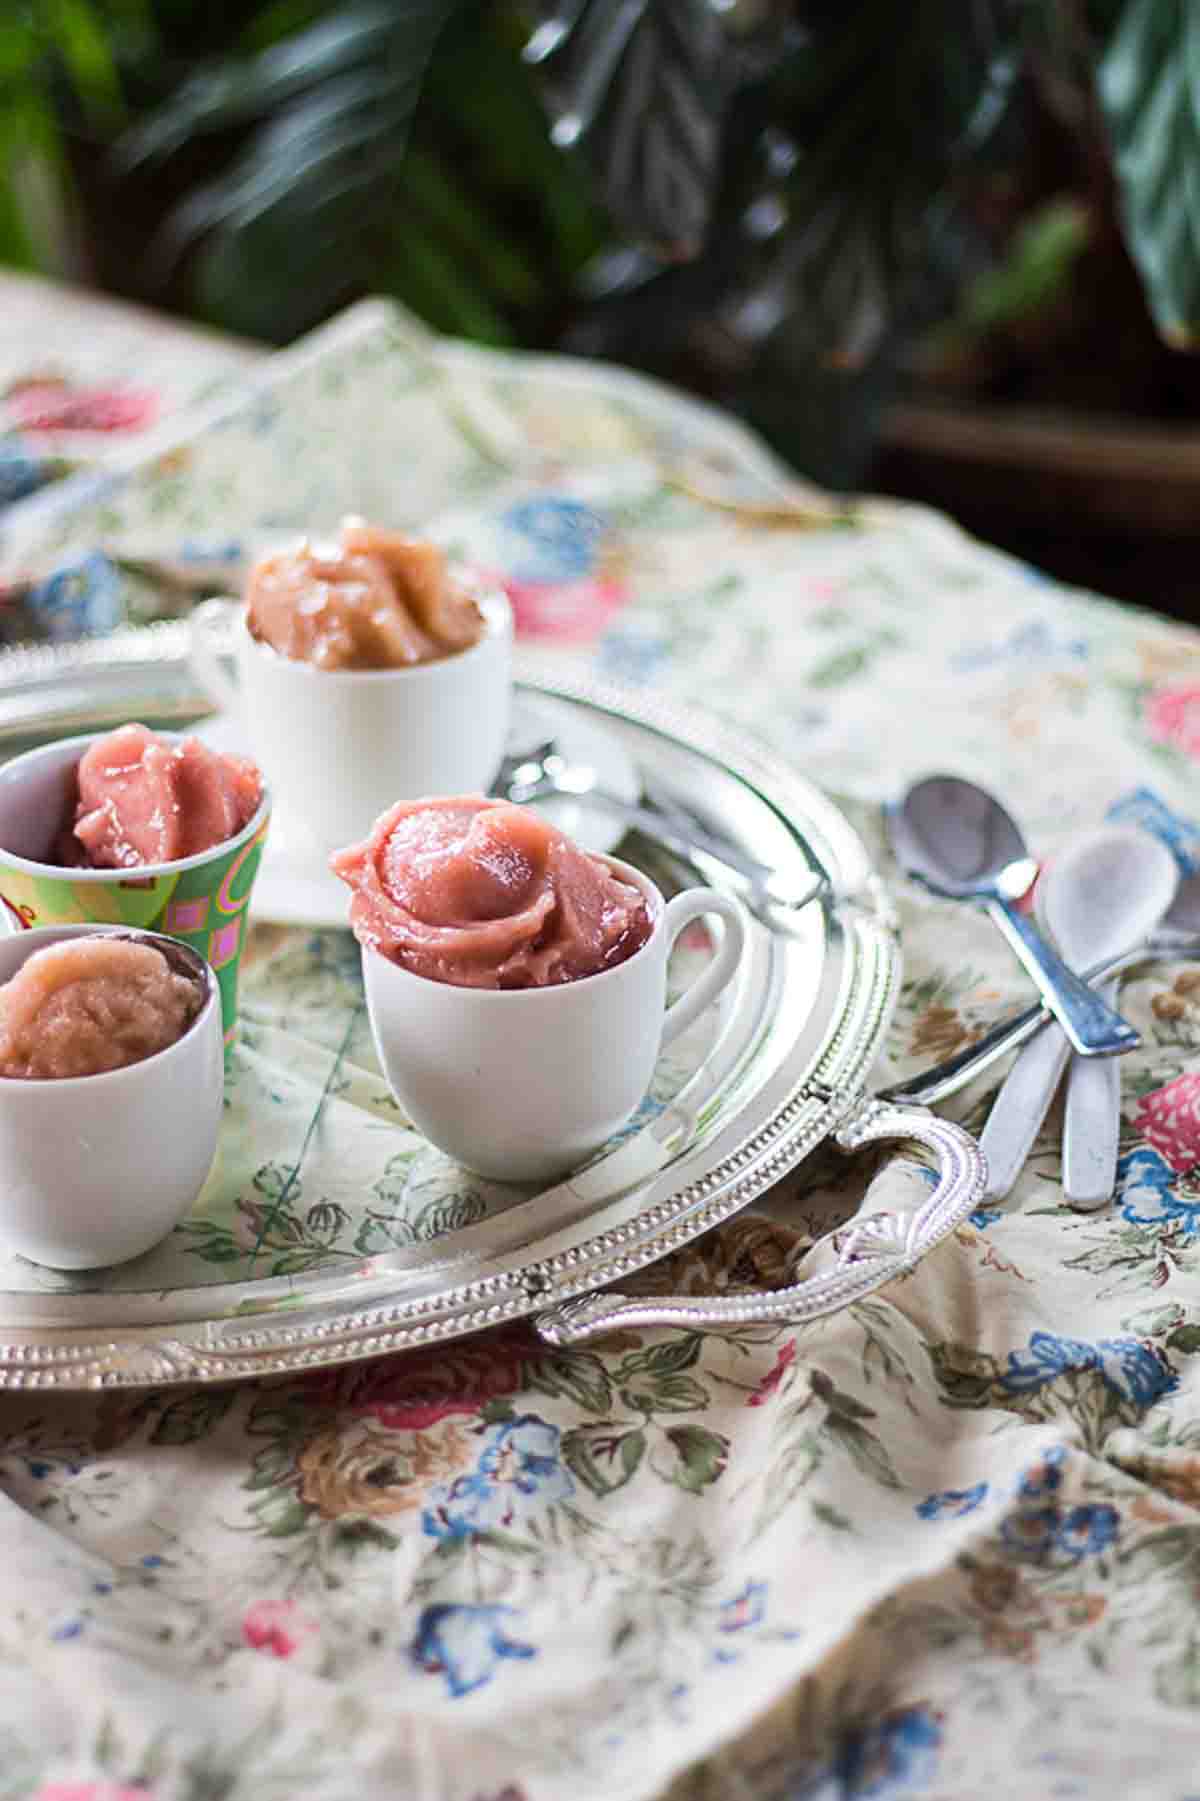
pixel 699 1460
pixel 235 91
pixel 1149 84
pixel 81 37
pixel 603 1457
pixel 300 215
pixel 643 88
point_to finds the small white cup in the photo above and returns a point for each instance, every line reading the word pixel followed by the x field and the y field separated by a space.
pixel 96 1169
pixel 339 746
pixel 522 1085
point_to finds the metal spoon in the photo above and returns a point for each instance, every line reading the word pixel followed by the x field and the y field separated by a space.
pixel 1177 936
pixel 541 772
pixel 1092 1117
pixel 959 841
pixel 1102 895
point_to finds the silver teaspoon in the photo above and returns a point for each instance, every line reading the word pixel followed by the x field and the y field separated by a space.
pixel 1100 896
pixel 1092 1115
pixel 1177 936
pixel 958 840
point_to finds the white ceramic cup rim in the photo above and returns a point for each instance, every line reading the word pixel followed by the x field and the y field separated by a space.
pixel 135 871
pixel 546 994
pixel 493 603
pixel 40 937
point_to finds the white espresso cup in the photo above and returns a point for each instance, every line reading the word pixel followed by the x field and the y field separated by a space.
pixel 522 1085
pixel 339 746
pixel 96 1169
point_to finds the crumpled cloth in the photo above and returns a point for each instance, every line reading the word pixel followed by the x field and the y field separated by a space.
pixel 945 1543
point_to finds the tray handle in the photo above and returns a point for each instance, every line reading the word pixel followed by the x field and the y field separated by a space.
pixel 870 1251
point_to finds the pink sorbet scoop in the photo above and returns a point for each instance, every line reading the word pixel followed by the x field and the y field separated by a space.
pixel 89 1005
pixel 144 799
pixel 483 894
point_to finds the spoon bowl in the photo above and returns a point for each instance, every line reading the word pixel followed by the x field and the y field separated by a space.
pixel 958 840
pixel 1099 898
pixel 1182 917
pixel 1105 894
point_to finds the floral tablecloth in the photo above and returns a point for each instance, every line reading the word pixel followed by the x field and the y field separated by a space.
pixel 944 1544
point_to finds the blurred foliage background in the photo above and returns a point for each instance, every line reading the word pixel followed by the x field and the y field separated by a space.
pixel 797 207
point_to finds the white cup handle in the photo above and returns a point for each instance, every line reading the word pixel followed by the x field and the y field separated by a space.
pixel 694 903
pixel 207 620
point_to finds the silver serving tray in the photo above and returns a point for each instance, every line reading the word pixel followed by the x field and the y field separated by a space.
pixel 789 1066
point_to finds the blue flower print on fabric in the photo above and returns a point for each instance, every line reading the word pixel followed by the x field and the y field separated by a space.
pixel 1135 1371
pixel 895 1756
pixel 749 1608
pixel 1043 1478
pixel 1032 642
pixel 1147 1194
pixel 1030 1535
pixel 517 1473
pixel 632 656
pixel 952 1503
pixel 983 1217
pixel 21 472
pixel 1087 1530
pixel 1141 806
pixel 81 600
pixel 465 1644
pixel 1050 1535
pixel 1047 1357
pixel 559 538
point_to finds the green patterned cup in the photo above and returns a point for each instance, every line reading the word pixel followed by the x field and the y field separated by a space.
pixel 201 900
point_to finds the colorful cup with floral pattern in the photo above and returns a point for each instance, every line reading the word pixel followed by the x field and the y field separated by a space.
pixel 202 900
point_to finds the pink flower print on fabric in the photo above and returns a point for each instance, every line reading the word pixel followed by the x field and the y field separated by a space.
pixel 572 612
pixel 90 1791
pixel 774 1376
pixel 1169 1121
pixel 56 406
pixel 1173 717
pixel 278 1627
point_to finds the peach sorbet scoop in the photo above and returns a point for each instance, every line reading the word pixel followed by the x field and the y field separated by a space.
pixel 89 1005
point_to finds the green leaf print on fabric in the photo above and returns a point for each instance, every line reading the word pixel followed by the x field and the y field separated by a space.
pixel 579 1376
pixel 603 1457
pixel 700 1457
pixel 817 1417
pixel 193 1416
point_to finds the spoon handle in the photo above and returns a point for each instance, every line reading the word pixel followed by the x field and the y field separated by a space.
pixel 1092 1127
pixel 953 1074
pixel 1091 1025
pixel 1019 1109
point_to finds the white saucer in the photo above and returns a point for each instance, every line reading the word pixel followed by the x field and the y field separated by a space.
pixel 294 887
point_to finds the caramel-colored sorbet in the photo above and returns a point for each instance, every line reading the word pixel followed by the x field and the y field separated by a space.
pixel 482 894
pixel 373 600
pixel 92 1004
pixel 143 799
